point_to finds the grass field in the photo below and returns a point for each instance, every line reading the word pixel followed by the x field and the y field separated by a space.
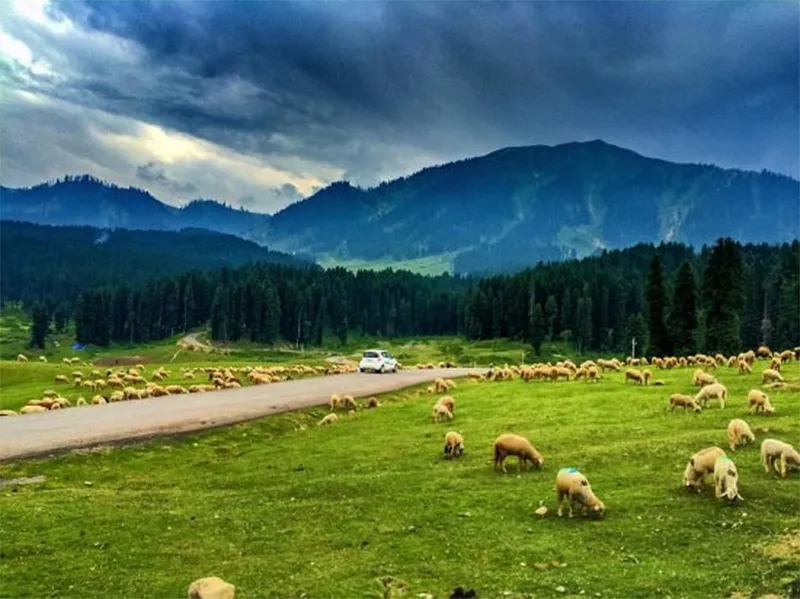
pixel 281 508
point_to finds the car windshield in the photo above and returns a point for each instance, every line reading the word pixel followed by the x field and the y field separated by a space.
pixel 370 354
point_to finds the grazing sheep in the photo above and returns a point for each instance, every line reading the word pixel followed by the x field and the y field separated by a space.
pixel 440 412
pixel 763 351
pixel 744 367
pixel 4 413
pixel 715 391
pixel 99 400
pixel 779 456
pixel 334 402
pixel 702 378
pixel 770 375
pixel 117 396
pixel 21 358
pixel 211 588
pixel 32 409
pixel 775 364
pixel 726 479
pixel 440 386
pixel 50 393
pixel 430 389
pixel 449 402
pixel 608 365
pixel 592 374
pixel 758 401
pixel 372 402
pixel 77 375
pixel 700 465
pixel 453 445
pixel 786 355
pixel 329 419
pixel 678 400
pixel 634 375
pixel 43 359
pixel 574 487
pixel 739 433
pixel 349 403
pixel 516 445
pixel 80 402
pixel 60 378
pixel 176 389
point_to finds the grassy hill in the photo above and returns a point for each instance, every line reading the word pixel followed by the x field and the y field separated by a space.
pixel 282 508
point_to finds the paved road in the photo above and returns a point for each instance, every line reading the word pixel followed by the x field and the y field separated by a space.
pixel 39 434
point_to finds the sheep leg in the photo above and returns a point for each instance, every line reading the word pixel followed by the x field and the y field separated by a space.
pixel 783 465
pixel 560 504
pixel 766 463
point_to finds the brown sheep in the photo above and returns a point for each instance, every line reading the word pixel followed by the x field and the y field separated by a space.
pixel 739 433
pixel 771 376
pixel 516 445
pixel 763 351
pixel 329 419
pixel 700 465
pixel 211 588
pixel 449 402
pixel 60 378
pixel 634 375
pixel 758 401
pixel 678 400
pixel 744 367
pixel 440 412
pixel 372 402
pixel 453 445
pixel 702 378
pixel 573 486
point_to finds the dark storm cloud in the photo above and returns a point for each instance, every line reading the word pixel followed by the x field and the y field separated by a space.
pixel 380 89
pixel 152 172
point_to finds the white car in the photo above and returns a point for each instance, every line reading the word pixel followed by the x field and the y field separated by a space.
pixel 377 360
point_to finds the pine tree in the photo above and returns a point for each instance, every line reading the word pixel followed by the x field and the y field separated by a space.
pixel 583 334
pixel 551 314
pixel 683 316
pixel 655 296
pixel 724 298
pixel 219 315
pixel 788 324
pixel 537 327
pixel 41 322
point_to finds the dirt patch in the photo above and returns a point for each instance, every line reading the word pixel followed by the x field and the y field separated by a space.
pixel 121 360
pixel 787 547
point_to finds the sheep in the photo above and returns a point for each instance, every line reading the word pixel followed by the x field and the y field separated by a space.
pixel 634 375
pixel 372 402
pixel 700 465
pixel 770 375
pixel 50 394
pixel 779 456
pixel 453 445
pixel 43 359
pixel 574 487
pixel 678 400
pixel 786 355
pixel 21 358
pixel 117 396
pixel 211 588
pixel 775 364
pixel 60 378
pixel 99 400
pixel 763 351
pixel 77 375
pixel 32 409
pixel 715 391
pixel 607 365
pixel 329 419
pixel 449 402
pixel 516 445
pixel 744 367
pixel 80 402
pixel 758 401
pixel 175 389
pixel 440 412
pixel 726 479
pixel 739 433
pixel 349 403
pixel 115 382
pixel 702 378
pixel 4 413
pixel 334 402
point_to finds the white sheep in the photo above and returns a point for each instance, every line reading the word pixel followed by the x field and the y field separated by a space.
pixel 771 376
pixel 329 419
pixel 440 412
pixel 726 479
pixel 211 588
pixel 678 400
pixel 780 456
pixel 739 433
pixel 713 391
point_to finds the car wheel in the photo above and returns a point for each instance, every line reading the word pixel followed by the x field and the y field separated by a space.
pixel 380 370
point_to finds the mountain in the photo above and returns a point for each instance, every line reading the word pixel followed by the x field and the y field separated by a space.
pixel 84 200
pixel 516 206
pixel 59 262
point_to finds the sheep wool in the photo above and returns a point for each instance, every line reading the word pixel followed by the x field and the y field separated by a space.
pixel 758 401
pixel 516 445
pixel 211 588
pixel 739 433
pixel 679 400
pixel 771 376
pixel 453 445
pixel 726 479
pixel 574 487
pixel 700 465
pixel 779 456
pixel 329 419
pixel 713 391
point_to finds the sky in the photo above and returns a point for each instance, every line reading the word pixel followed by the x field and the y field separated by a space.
pixel 259 104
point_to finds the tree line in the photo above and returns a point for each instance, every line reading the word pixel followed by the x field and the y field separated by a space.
pixel 668 298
